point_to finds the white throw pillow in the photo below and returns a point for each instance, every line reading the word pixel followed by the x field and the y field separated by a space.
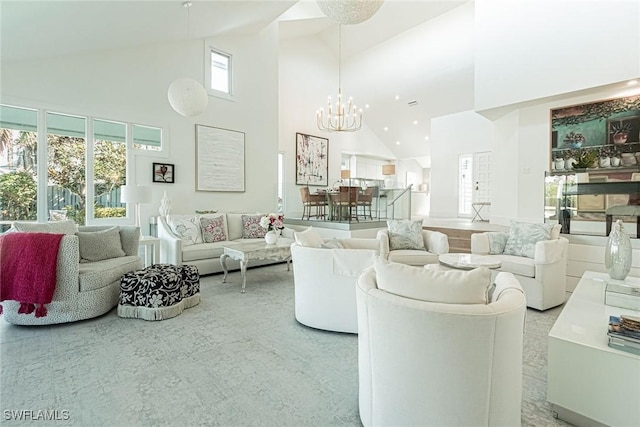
pixel 308 238
pixel 332 244
pixel 443 286
pixel 187 227
pixel 57 227
pixel 524 236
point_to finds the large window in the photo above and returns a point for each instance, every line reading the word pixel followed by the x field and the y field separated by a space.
pixel 109 168
pixel 18 165
pixel 218 73
pixel 84 164
pixel 66 166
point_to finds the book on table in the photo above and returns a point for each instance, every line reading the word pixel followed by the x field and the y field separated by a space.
pixel 624 333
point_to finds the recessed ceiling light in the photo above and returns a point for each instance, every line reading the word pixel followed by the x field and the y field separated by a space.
pixel 632 82
pixel 415 122
pixel 426 138
pixel 397 97
pixel 366 105
pixel 386 128
pixel 397 142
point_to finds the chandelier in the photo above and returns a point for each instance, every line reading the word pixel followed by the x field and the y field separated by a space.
pixel 349 11
pixel 340 118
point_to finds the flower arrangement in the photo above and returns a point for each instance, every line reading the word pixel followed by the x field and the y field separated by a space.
pixel 272 221
pixel 585 159
pixel 620 128
pixel 574 140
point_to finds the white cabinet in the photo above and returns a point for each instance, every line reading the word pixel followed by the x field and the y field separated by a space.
pixel 363 167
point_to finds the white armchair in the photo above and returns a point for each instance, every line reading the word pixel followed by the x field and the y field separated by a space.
pixel 435 243
pixel 427 363
pixel 542 277
pixel 325 283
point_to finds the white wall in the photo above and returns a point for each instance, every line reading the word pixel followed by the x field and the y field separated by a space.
pixel 302 61
pixel 529 49
pixel 131 85
pixel 451 136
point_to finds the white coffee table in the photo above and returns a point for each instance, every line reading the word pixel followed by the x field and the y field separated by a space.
pixel 247 251
pixel 588 380
pixel 468 261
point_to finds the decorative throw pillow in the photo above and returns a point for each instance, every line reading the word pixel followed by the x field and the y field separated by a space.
pixel 251 227
pixel 213 229
pixel 100 245
pixel 58 227
pixel 308 238
pixel 497 242
pixel 187 227
pixel 405 234
pixel 443 286
pixel 332 244
pixel 524 236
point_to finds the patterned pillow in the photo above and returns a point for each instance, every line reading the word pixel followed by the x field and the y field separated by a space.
pixel 251 227
pixel 405 234
pixel 187 227
pixel 524 236
pixel 213 229
pixel 497 242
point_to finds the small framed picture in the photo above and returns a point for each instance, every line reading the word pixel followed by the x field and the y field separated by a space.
pixel 163 172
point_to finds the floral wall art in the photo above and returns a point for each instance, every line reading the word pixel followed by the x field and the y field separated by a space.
pixel 312 160
pixel 604 129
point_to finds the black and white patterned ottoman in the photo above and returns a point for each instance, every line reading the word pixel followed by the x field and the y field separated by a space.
pixel 159 292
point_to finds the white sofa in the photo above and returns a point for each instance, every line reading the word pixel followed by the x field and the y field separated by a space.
pixel 325 282
pixel 435 243
pixel 424 363
pixel 542 277
pixel 206 256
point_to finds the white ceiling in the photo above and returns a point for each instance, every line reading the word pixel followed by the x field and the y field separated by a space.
pixel 40 29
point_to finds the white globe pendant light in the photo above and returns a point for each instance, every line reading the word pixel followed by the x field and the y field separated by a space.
pixel 187 97
pixel 349 12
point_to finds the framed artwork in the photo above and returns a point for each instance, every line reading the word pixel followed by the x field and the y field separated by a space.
pixel 219 159
pixel 595 125
pixel 312 160
pixel 163 172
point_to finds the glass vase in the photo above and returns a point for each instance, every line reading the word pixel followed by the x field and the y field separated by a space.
pixel 617 253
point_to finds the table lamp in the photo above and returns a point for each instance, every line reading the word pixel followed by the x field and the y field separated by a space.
pixel 135 194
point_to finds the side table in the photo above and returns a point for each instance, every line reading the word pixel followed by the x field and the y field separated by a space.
pixel 150 256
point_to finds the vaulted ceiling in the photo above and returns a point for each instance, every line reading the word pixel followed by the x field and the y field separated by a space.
pixel 437 80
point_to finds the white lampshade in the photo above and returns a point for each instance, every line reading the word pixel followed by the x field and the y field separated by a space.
pixel 187 97
pixel 349 11
pixel 135 194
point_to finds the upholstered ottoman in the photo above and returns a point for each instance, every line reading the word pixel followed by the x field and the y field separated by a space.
pixel 161 291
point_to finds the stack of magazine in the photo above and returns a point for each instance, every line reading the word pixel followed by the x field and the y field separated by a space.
pixel 624 333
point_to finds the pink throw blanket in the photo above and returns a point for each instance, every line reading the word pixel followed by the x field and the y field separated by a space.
pixel 28 269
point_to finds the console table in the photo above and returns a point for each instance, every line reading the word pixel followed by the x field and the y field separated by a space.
pixel 590 383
